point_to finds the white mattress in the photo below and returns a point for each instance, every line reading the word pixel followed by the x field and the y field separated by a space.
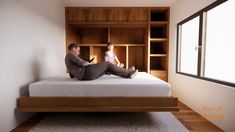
pixel 143 84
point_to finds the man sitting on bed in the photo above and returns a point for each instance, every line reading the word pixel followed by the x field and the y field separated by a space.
pixel 84 70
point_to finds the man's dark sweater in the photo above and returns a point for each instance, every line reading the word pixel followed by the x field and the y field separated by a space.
pixel 75 65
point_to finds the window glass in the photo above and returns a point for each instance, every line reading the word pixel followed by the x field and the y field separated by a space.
pixel 189 38
pixel 220 42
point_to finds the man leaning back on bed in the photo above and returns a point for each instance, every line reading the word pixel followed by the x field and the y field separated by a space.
pixel 84 70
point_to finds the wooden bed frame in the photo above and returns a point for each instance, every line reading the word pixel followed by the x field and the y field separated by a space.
pixel 98 104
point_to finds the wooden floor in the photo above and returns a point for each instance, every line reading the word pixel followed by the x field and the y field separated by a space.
pixel 193 121
pixel 189 118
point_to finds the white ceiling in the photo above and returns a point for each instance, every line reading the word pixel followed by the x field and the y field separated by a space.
pixel 118 3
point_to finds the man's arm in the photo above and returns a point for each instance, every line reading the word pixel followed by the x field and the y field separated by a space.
pixel 78 60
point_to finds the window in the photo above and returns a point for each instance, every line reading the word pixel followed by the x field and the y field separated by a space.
pixel 220 43
pixel 206 44
pixel 189 40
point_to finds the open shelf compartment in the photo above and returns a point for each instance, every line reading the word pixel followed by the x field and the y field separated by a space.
pixel 127 35
pixel 159 15
pixel 158 48
pixel 158 63
pixel 92 35
pixel 158 32
pixel 136 57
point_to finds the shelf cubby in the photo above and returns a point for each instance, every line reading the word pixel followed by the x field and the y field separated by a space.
pixel 98 52
pixel 159 15
pixel 120 52
pixel 158 63
pixel 136 57
pixel 92 35
pixel 127 35
pixel 158 32
pixel 158 48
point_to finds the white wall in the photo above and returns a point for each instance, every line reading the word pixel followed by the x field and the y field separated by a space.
pixel 32 47
pixel 197 93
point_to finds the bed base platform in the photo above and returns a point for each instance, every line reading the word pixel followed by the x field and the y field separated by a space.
pixel 97 104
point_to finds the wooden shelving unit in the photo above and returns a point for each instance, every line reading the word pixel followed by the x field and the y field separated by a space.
pixel 158 39
pixel 158 42
pixel 140 35
pixel 158 55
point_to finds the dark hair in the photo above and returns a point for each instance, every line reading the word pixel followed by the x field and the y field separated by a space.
pixel 72 45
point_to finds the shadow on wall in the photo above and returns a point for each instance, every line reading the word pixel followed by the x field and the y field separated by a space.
pixel 42 22
pixel 24 90
pixel 40 9
pixel 36 70
pixel 36 76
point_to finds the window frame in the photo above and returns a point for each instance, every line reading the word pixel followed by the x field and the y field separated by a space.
pixel 199 43
pixel 200 69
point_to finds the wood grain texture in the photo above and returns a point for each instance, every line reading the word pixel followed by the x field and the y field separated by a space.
pixel 92 35
pixel 70 36
pixel 76 14
pixel 98 52
pixel 162 74
pixel 98 109
pixel 189 118
pixel 117 14
pixel 136 57
pixel 96 15
pixel 158 42
pixel 137 28
pixel 193 121
pixel 139 15
pixel 97 104
pixel 127 35
pixel 120 52
pixel 30 123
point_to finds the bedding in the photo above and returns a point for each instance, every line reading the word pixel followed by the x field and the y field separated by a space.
pixel 143 84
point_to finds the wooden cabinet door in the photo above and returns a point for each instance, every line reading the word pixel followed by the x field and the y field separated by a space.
pixel 107 14
pixel 76 15
pixel 138 15
pixel 96 15
pixel 117 14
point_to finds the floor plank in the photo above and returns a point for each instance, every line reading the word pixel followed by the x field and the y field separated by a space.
pixel 30 123
pixel 189 118
pixel 193 121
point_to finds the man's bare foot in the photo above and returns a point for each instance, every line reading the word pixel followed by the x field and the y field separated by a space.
pixel 134 74
pixel 132 68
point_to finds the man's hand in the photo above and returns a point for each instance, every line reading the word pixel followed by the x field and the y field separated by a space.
pixel 91 60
